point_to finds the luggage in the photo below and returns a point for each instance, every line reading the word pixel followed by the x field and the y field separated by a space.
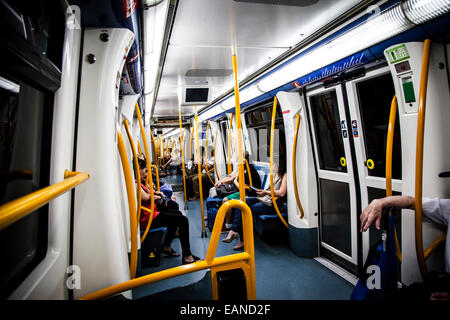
pixel 212 207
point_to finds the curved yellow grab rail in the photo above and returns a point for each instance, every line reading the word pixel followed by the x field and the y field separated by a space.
pixel 131 203
pixel 136 166
pixel 148 180
pixel 152 166
pixel 206 155
pixel 182 157
pixel 272 192
pixel 420 253
pixel 389 147
pixel 200 184
pixel 245 259
pixel 294 168
pixel 250 181
pixel 239 132
pixel 17 209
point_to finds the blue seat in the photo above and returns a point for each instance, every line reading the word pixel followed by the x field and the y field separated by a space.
pixel 270 222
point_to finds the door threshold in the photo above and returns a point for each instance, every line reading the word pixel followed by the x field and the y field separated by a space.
pixel 338 270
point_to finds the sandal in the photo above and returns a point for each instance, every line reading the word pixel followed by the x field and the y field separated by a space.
pixel 171 252
pixel 195 260
pixel 229 239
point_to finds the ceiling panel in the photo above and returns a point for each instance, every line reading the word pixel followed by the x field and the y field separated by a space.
pixel 204 32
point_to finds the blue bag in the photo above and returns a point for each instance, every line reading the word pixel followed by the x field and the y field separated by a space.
pixel 382 257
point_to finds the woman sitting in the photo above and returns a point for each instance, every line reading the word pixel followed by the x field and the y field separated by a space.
pixel 165 217
pixel 260 205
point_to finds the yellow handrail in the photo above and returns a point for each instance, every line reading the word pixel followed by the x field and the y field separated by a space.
pixel 136 166
pixel 420 253
pixel 294 168
pixel 19 208
pixel 389 147
pixel 239 132
pixel 131 204
pixel 148 180
pixel 182 158
pixel 250 181
pixel 199 164
pixel 272 192
pixel 152 166
pixel 247 258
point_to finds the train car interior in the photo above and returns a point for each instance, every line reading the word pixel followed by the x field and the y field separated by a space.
pixel 221 149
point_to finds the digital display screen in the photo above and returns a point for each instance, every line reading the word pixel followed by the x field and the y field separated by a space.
pixel 197 94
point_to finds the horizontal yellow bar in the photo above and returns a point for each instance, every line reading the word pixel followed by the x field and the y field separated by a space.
pixel 165 274
pixel 17 209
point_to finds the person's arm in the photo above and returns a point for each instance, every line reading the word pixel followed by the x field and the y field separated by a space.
pixel 278 193
pixel 374 210
pixel 227 179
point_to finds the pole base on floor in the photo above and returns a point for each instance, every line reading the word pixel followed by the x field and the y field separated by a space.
pixel 204 235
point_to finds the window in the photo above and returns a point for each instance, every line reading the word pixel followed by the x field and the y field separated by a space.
pixel 33 49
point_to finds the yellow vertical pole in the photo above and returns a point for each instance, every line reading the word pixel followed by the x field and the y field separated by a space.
pixel 239 132
pixel 200 186
pixel 182 161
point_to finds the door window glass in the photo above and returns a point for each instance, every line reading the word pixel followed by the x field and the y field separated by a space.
pixel 375 96
pixel 327 126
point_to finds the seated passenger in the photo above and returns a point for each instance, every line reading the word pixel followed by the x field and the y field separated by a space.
pixel 256 183
pixel 206 165
pixel 260 205
pixel 434 209
pixel 164 216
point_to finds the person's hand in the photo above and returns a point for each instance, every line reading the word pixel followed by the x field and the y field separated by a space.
pixel 260 192
pixel 218 183
pixel 440 296
pixel 371 213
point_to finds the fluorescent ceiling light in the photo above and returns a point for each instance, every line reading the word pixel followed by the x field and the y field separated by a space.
pixel 378 28
pixel 9 85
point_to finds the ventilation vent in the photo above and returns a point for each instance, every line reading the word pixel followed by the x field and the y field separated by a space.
pixel 292 3
pixel 209 73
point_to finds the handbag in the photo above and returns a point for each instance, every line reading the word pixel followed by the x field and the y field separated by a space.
pixel 226 189
pixel 161 204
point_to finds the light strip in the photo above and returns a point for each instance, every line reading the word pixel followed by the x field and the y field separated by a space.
pixel 9 85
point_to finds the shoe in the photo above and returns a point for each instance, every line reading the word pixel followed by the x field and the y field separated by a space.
pixel 239 247
pixel 171 252
pixel 233 236
pixel 195 260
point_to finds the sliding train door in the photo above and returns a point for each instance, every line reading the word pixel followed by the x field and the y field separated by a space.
pixel 350 121
pixel 336 180
pixel 369 101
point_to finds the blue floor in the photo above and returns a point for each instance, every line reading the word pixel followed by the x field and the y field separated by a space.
pixel 280 274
